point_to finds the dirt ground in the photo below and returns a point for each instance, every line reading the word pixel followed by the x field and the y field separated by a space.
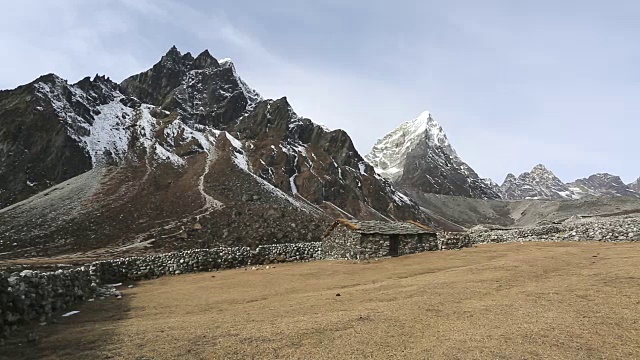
pixel 505 301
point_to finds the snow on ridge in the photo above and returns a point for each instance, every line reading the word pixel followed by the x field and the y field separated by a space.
pixel 106 133
pixel 163 154
pixel 253 97
pixel 60 106
pixel 109 133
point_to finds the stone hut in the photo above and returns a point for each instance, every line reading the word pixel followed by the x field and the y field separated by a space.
pixel 352 239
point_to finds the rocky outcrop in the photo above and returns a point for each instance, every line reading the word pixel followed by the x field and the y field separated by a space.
pixel 417 156
pixel 635 186
pixel 203 90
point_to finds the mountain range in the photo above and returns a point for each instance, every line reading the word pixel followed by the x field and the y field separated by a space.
pixel 417 157
pixel 186 154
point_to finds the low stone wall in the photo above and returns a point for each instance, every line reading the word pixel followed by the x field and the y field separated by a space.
pixel 609 230
pixel 189 261
pixel 453 240
pixel 35 296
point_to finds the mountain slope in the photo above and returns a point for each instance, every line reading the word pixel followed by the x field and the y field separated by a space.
pixel 182 155
pixel 417 156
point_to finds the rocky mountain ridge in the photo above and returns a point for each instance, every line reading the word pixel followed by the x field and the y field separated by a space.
pixel 183 154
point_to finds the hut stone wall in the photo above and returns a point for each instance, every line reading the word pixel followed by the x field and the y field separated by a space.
pixel 344 243
pixel 341 243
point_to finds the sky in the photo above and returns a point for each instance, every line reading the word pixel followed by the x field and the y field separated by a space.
pixel 513 83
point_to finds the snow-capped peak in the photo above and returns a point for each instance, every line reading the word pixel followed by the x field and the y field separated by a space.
pixel 389 153
pixel 420 148
pixel 425 124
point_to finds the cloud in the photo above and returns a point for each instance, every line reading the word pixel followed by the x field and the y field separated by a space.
pixel 65 37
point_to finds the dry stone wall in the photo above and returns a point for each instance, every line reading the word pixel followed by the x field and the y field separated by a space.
pixel 608 230
pixel 30 296
pixel 34 296
pixel 453 240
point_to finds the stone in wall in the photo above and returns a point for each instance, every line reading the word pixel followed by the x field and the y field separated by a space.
pixel 607 230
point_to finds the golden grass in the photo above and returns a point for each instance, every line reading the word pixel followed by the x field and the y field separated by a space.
pixel 533 300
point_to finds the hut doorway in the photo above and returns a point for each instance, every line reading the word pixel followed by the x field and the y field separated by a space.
pixel 394 244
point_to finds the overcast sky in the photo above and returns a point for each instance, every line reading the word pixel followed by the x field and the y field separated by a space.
pixel 513 83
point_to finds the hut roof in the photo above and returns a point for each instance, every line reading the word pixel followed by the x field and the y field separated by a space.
pixel 383 227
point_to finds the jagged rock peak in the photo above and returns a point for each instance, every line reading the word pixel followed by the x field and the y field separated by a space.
pixel 541 170
pixel 205 60
pixel 200 88
pixel 172 55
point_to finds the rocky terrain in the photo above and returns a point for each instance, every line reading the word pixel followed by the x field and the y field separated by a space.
pixel 417 156
pixel 28 295
pixel 182 155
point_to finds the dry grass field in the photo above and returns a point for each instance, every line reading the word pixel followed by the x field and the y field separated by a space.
pixel 508 301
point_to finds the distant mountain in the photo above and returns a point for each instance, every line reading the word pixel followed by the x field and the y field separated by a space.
pixel 539 183
pixel 417 156
pixel 602 184
pixel 182 155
